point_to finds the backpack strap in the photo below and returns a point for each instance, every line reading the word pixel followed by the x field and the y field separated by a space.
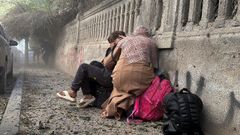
pixel 130 118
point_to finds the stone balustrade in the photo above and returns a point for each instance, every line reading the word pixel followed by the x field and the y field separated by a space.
pixel 98 23
pixel 165 18
pixel 204 12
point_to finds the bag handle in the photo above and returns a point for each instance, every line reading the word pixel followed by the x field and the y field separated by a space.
pixel 184 90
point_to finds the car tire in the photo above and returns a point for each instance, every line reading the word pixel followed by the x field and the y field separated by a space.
pixel 3 80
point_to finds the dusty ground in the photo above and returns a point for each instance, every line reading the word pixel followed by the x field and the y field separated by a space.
pixel 4 98
pixel 43 113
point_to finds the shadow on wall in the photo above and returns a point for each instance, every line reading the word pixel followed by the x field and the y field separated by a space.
pixel 219 128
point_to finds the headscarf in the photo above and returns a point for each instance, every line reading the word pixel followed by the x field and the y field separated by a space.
pixel 141 30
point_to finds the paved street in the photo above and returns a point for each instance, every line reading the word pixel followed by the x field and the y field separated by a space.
pixel 43 113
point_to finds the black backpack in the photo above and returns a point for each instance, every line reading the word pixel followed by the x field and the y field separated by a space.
pixel 182 113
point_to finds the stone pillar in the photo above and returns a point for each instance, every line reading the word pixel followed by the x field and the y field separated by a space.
pixel 236 19
pixel 180 15
pixel 105 26
pixel 191 14
pixel 118 18
pixel 122 18
pixel 113 20
pixel 95 28
pixel 205 14
pixel 81 32
pixel 126 22
pixel 84 31
pixel 222 12
pixel 169 17
pixel 131 17
pixel 137 8
pixel 87 32
pixel 91 22
pixel 110 23
pixel 102 26
pixel 98 27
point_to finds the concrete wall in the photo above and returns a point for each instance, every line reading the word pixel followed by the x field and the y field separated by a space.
pixel 209 67
pixel 198 44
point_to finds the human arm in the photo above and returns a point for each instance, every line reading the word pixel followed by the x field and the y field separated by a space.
pixel 112 58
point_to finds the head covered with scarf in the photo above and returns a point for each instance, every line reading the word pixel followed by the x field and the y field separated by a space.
pixel 141 30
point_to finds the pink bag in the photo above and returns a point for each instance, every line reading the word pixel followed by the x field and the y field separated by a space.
pixel 148 106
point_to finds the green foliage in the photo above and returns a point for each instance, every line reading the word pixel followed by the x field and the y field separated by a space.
pixel 5 7
pixel 27 5
pixel 36 5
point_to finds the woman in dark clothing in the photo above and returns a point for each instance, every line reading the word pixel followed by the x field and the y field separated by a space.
pixel 90 75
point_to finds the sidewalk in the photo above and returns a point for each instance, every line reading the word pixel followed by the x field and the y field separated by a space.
pixel 43 113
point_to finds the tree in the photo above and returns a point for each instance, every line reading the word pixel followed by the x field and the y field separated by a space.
pixel 41 20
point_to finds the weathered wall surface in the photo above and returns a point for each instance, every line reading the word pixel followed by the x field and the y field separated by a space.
pixel 198 44
pixel 209 66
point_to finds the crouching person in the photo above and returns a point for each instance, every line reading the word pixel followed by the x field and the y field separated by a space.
pixel 90 75
pixel 133 73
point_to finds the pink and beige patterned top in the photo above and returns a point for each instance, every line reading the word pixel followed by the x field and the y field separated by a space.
pixel 139 48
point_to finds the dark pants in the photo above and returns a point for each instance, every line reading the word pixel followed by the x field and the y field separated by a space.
pixel 89 75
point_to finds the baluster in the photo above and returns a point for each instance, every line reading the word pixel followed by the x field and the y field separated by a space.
pixel 131 18
pixel 101 25
pixel 93 27
pixel 222 14
pixel 113 20
pixel 105 25
pixel 191 14
pixel 87 31
pixel 81 32
pixel 180 15
pixel 237 16
pixel 126 23
pixel 122 18
pixel 137 9
pixel 118 18
pixel 97 29
pixel 205 13
pixel 110 23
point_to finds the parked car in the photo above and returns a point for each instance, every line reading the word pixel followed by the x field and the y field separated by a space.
pixel 6 59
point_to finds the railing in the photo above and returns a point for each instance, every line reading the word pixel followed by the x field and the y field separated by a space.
pixel 165 18
pixel 207 13
pixel 117 15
